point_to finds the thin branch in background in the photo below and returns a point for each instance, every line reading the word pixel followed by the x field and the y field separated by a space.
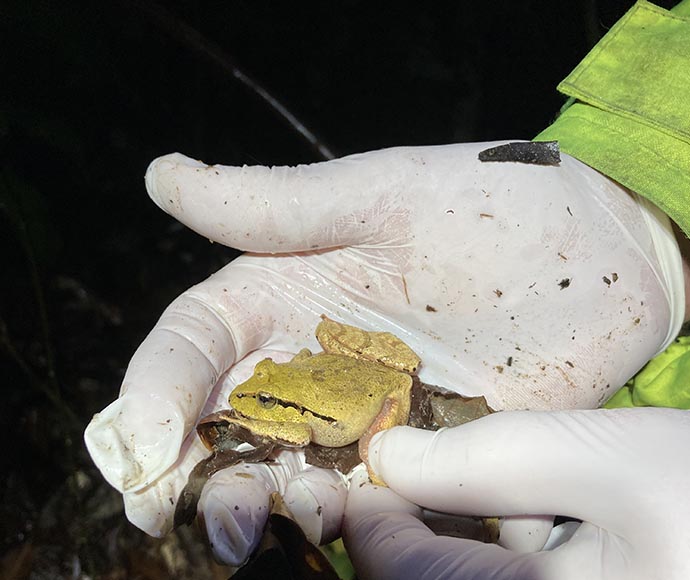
pixel 591 23
pixel 47 388
pixel 189 36
pixel 50 386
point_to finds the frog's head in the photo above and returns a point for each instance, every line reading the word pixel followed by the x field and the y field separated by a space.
pixel 269 394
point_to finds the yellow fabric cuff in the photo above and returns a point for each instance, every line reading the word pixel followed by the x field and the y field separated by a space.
pixel 664 382
pixel 631 120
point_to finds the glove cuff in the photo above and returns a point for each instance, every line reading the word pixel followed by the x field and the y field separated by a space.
pixel 670 265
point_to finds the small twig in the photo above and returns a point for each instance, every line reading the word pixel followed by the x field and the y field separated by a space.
pixel 51 386
pixel 592 24
pixel 52 394
pixel 15 214
pixel 189 36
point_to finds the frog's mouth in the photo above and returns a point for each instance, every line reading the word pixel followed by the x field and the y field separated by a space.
pixel 269 401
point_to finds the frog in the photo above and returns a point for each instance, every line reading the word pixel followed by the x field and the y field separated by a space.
pixel 359 385
pixel 330 403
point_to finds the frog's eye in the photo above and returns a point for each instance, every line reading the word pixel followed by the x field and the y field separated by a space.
pixel 265 400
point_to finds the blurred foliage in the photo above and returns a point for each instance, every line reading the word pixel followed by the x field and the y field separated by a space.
pixel 93 91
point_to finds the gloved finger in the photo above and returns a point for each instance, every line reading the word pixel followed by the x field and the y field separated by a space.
pixel 341 202
pixel 386 538
pixel 235 503
pixel 138 436
pixel 199 336
pixel 316 498
pixel 151 508
pixel 365 497
pixel 525 533
pixel 586 464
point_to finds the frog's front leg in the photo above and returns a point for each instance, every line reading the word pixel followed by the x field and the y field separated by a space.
pixel 392 413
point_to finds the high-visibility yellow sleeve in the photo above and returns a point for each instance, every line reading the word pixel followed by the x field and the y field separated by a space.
pixel 630 111
pixel 664 382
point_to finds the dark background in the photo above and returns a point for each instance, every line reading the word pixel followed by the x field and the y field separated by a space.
pixel 93 91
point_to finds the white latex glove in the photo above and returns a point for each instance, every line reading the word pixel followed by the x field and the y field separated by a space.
pixel 539 287
pixel 624 473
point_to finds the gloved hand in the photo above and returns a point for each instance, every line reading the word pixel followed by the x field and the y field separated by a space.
pixel 623 472
pixel 524 283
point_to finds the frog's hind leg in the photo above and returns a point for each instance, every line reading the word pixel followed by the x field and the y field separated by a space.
pixel 387 417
